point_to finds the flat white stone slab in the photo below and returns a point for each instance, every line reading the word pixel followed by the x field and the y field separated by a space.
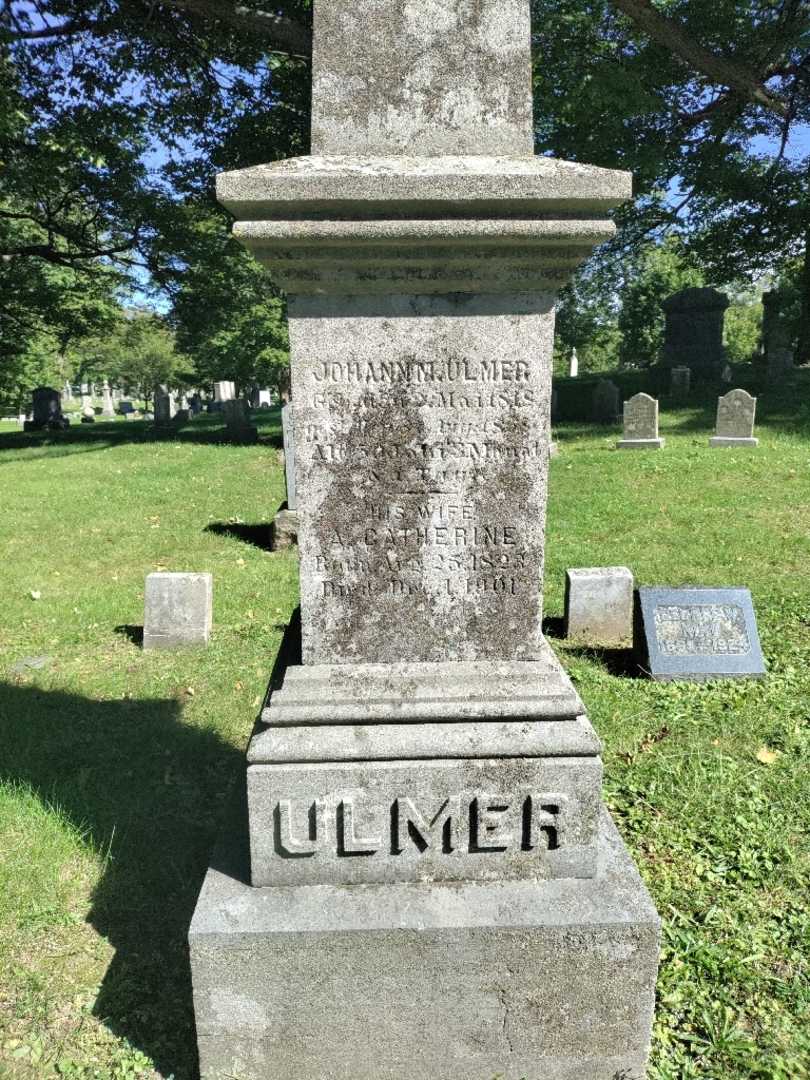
pixel 599 605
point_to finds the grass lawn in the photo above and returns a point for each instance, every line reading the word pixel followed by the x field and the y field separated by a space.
pixel 115 765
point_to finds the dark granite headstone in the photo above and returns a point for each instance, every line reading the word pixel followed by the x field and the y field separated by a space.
pixel 698 634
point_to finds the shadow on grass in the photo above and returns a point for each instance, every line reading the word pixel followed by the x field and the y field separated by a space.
pixel 83 438
pixel 622 663
pixel 153 792
pixel 132 632
pixel 259 536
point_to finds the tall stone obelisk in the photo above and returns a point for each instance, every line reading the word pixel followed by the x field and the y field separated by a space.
pixel 435 890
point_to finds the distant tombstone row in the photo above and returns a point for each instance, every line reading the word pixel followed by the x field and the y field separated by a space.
pixel 736 413
pixel 640 424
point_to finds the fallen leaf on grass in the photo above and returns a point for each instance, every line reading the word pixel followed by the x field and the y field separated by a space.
pixel 36 594
pixel 767 756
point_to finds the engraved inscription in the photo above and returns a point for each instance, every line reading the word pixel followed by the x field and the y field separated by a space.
pixel 454 826
pixel 701 630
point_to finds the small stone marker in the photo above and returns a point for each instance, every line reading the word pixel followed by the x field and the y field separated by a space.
pixel 599 605
pixel 605 402
pixel 680 383
pixel 178 610
pixel 698 634
pixel 640 424
pixel 125 408
pixel 735 420
pixel 573 370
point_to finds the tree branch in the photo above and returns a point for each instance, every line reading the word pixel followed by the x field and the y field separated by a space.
pixel 720 69
pixel 283 34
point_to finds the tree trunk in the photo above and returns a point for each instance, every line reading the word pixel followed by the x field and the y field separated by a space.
pixel 803 346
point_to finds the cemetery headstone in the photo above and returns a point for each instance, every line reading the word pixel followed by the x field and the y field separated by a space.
pixel 46 411
pixel 736 411
pixel 599 605
pixel 698 634
pixel 777 345
pixel 87 401
pixel 107 406
pixel 573 369
pixel 125 408
pixel 693 334
pixel 265 399
pixel 727 375
pixel 67 393
pixel 164 407
pixel 680 384
pixel 605 402
pixel 238 427
pixel 224 391
pixel 640 424
pixel 429 745
pixel 178 610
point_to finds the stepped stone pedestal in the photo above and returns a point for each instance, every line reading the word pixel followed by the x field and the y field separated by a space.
pixel 424 883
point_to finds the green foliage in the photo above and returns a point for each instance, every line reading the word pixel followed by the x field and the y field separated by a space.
pixel 743 329
pixel 229 316
pixel 657 271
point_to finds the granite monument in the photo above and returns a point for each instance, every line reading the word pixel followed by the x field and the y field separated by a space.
pixel 640 424
pixel 735 420
pixel 435 888
pixel 693 334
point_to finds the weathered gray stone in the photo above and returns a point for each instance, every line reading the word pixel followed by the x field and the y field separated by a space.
pixel 693 335
pixel 421 297
pixel 735 420
pixel 178 610
pixel 599 605
pixel 465 819
pixel 545 979
pixel 107 407
pixel 388 79
pixel 165 408
pixel 237 422
pixel 680 383
pixel 421 693
pixel 640 424
pixel 288 436
pixel 694 635
pixel 605 402
pixel 286 527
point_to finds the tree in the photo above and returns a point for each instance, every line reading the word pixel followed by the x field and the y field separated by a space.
pixel 656 272
pixel 228 314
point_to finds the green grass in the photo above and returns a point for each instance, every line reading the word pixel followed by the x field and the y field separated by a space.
pixel 115 764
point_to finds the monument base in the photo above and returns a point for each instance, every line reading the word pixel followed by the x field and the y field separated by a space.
pixel 640 444
pixel 549 980
pixel 720 441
